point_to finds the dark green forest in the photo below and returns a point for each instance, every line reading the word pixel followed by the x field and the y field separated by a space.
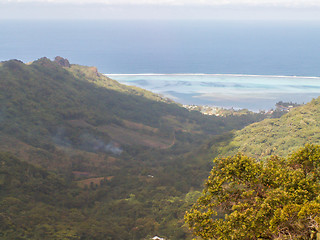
pixel 84 157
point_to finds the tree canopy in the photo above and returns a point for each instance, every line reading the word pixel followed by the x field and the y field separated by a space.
pixel 248 199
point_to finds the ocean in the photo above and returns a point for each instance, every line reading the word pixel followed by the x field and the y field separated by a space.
pixel 220 53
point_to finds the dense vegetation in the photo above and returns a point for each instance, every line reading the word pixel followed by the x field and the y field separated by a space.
pixel 278 136
pixel 248 199
pixel 109 161
pixel 36 204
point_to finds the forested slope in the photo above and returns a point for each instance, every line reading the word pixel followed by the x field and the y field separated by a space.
pixel 120 158
pixel 278 136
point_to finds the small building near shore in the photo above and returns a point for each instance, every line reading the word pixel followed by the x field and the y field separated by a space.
pixel 157 238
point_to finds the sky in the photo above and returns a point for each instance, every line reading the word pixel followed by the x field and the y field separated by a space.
pixel 161 9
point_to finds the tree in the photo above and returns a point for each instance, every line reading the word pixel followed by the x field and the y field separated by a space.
pixel 248 199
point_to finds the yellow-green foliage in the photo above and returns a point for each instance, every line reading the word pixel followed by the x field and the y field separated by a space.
pixel 91 74
pixel 279 136
pixel 276 199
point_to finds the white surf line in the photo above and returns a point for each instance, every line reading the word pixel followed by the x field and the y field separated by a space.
pixel 208 74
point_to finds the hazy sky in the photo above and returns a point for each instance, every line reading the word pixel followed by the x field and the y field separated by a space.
pixel 161 9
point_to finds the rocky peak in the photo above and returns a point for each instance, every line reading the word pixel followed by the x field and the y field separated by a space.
pixel 63 62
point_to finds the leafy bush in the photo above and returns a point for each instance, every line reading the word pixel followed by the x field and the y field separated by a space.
pixel 247 199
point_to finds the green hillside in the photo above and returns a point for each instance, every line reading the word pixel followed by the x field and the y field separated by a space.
pixel 111 161
pixel 49 107
pixel 278 136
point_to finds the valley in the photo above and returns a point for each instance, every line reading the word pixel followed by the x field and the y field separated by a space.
pixel 97 159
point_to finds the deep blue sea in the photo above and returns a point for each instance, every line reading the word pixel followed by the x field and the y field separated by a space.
pixel 171 47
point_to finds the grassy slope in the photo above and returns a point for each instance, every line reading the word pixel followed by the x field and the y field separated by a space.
pixel 92 75
pixel 279 136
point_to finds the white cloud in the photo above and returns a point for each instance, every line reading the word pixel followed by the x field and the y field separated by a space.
pixel 256 3
pixel 161 9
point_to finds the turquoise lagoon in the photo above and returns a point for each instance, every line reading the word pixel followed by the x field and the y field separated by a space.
pixel 254 92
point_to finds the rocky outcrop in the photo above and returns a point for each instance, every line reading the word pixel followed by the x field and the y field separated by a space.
pixel 63 62
pixel 95 71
